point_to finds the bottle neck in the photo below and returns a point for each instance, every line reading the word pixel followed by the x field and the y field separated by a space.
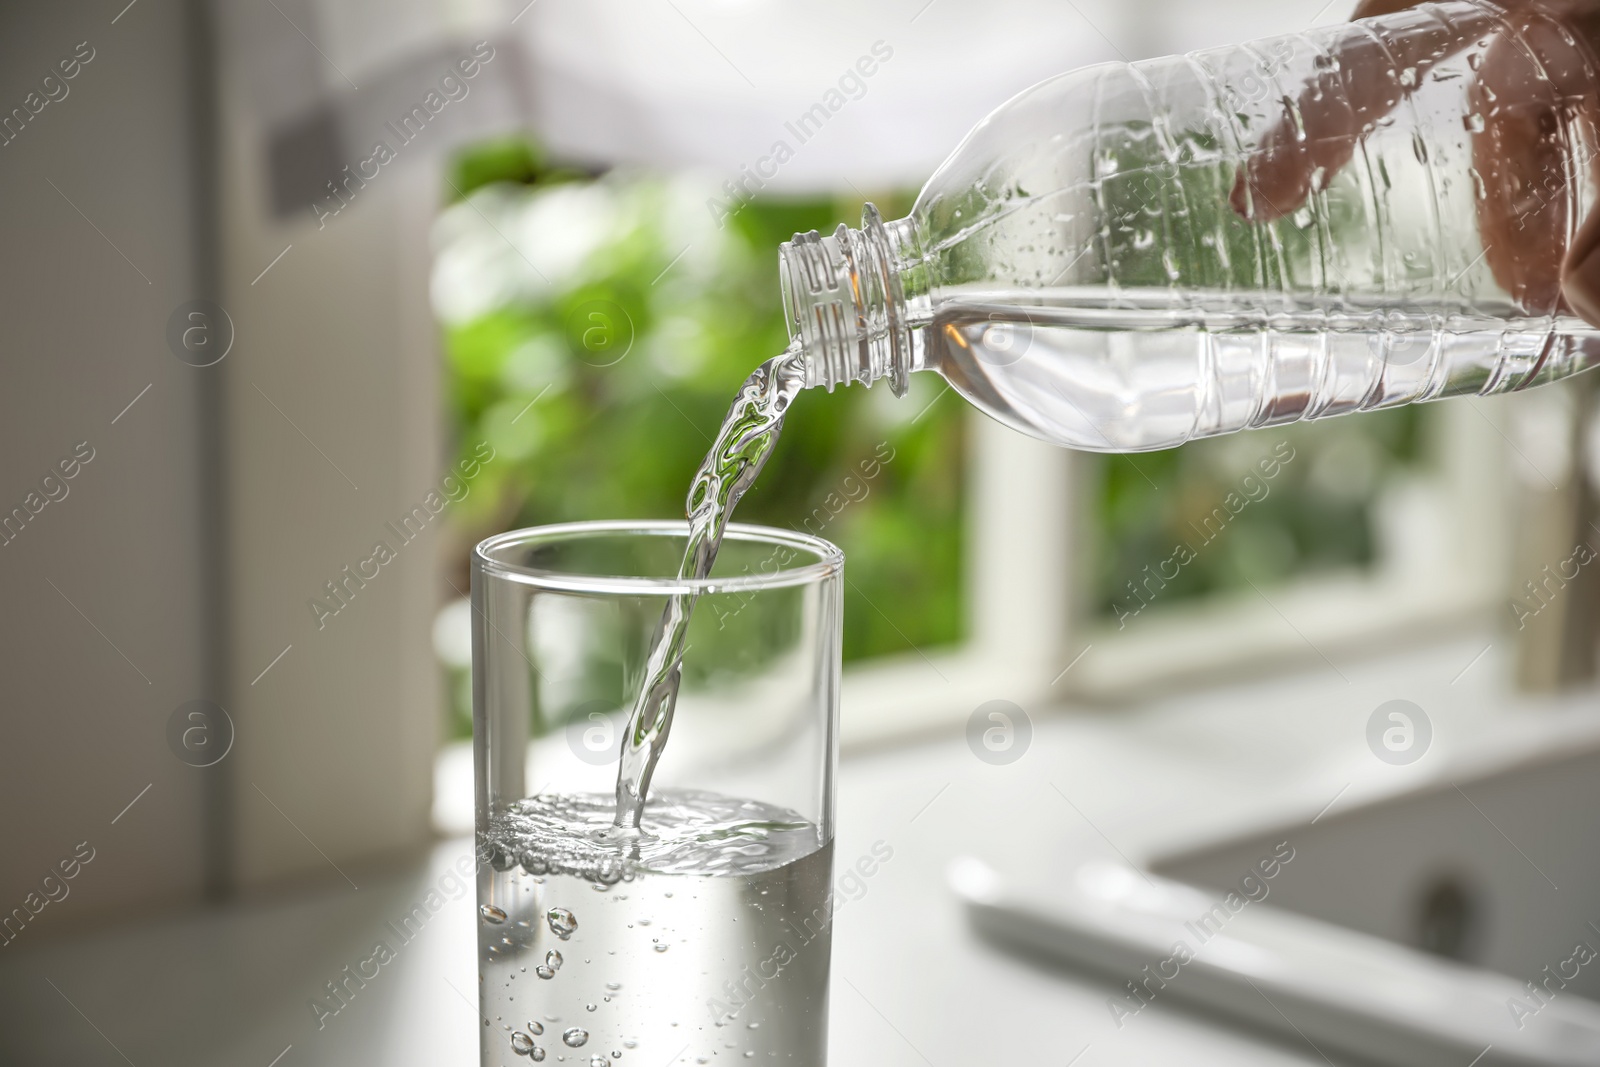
pixel 856 301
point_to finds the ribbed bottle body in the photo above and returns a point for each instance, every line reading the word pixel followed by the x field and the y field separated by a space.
pixel 1132 256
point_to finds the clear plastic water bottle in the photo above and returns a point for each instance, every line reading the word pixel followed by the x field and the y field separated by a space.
pixel 1128 257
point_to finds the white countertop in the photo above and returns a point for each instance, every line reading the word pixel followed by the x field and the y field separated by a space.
pixel 913 986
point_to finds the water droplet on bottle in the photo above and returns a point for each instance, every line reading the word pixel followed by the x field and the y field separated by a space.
pixel 544 971
pixel 553 960
pixel 537 1055
pixel 492 914
pixel 613 986
pixel 598 1060
pixel 534 864
pixel 590 1007
pixel 1475 60
pixel 748 1054
pixel 536 1028
pixel 575 1037
pixel 1478 188
pixel 1473 123
pixel 521 1043
pixel 1408 77
pixel 616 1054
pixel 562 922
pixel 661 948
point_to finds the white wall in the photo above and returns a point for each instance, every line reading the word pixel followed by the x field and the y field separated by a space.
pixel 333 429
pixel 89 685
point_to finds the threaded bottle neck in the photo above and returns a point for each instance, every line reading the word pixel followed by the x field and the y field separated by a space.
pixel 847 303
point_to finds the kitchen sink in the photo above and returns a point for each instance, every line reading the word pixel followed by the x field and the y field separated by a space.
pixel 1453 922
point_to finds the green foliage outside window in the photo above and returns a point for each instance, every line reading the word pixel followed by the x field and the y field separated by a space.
pixel 595 331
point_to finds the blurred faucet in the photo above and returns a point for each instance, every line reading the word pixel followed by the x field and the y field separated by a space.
pixel 1555 594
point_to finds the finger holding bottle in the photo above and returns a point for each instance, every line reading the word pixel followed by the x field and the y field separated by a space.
pixel 1355 89
pixel 1532 111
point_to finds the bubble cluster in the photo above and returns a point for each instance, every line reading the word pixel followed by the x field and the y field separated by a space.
pixel 684 831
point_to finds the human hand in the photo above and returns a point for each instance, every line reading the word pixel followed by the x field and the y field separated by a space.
pixel 1534 111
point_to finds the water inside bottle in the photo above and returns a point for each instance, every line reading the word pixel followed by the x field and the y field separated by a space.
pixel 1137 370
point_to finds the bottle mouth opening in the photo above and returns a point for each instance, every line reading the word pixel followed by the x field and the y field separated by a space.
pixel 844 305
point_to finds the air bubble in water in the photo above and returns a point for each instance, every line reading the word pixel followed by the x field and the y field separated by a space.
pixel 562 922
pixel 534 863
pixel 661 948
pixel 492 914
pixel 613 986
pixel 521 1043
pixel 591 1007
pixel 553 960
pixel 597 1060
pixel 544 971
pixel 537 1054
pixel 536 1028
pixel 575 1037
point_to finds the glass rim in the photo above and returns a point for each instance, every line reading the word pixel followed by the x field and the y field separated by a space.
pixel 828 561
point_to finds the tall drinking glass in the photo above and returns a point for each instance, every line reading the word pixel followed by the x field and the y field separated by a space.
pixel 703 936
